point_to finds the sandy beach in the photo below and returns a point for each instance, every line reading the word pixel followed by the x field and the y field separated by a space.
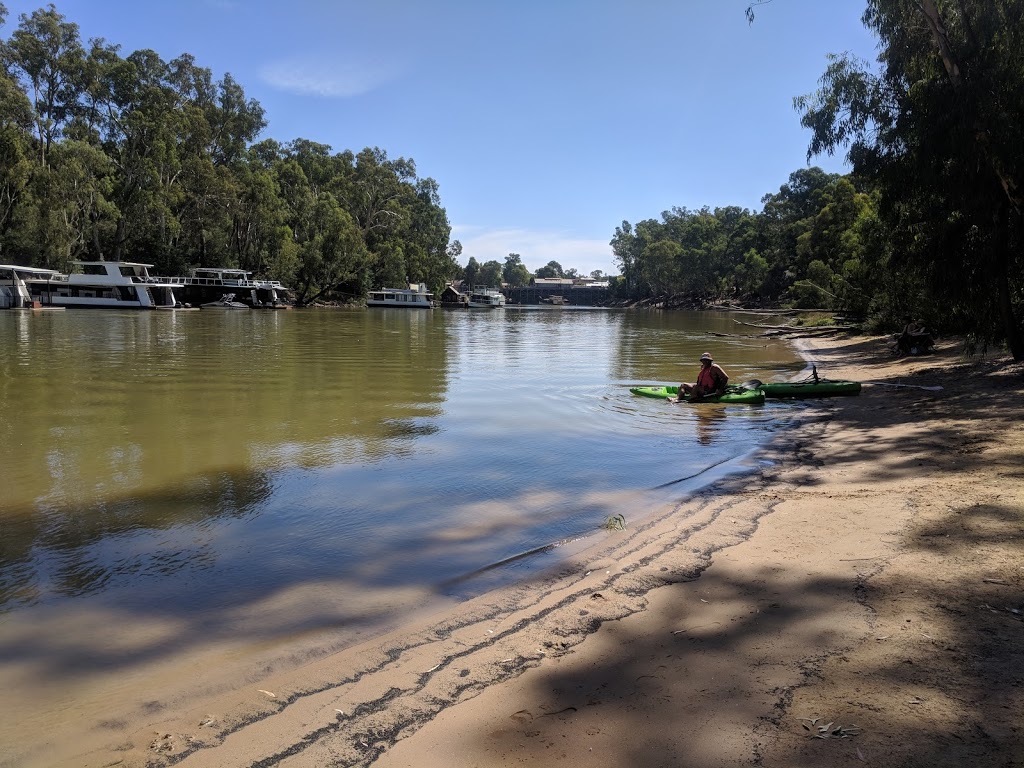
pixel 855 600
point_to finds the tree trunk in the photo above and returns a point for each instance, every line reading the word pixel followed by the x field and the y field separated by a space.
pixel 1011 328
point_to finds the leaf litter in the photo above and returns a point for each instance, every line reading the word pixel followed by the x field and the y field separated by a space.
pixel 831 730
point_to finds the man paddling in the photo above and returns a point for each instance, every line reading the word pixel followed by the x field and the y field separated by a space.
pixel 711 380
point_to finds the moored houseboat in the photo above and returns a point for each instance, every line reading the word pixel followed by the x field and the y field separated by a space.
pixel 486 298
pixel 415 296
pixel 15 281
pixel 204 285
pixel 104 285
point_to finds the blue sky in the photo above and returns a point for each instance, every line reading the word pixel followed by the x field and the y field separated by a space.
pixel 545 123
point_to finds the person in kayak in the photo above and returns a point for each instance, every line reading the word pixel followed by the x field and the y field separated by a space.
pixel 711 380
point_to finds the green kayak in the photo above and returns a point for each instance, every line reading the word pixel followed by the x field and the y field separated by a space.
pixel 732 395
pixel 820 388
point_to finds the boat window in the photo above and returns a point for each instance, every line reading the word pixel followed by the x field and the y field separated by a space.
pixel 93 269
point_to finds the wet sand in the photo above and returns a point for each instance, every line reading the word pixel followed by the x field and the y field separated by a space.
pixel 866 576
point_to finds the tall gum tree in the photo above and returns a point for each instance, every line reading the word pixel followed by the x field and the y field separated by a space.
pixel 939 129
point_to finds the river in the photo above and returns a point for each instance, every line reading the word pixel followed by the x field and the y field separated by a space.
pixel 178 482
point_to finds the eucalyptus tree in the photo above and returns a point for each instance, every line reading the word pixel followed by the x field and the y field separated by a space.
pixel 220 132
pixel 701 239
pixel 472 270
pixel 490 274
pixel 46 53
pixel 234 121
pixel 259 234
pixel 315 233
pixel 45 58
pixel 785 217
pixel 627 248
pixel 332 255
pixel 660 265
pixel 139 123
pixel 551 269
pixel 514 272
pixel 16 121
pixel 426 234
pixel 938 129
pixel 375 191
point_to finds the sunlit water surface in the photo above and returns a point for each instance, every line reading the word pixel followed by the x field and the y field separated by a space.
pixel 171 464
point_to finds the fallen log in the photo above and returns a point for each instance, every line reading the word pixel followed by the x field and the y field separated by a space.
pixel 800 328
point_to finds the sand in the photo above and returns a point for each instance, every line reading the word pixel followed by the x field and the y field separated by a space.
pixel 856 600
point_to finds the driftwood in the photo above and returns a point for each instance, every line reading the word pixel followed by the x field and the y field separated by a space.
pixel 809 333
pixel 801 328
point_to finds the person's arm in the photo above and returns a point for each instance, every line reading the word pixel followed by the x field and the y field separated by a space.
pixel 723 380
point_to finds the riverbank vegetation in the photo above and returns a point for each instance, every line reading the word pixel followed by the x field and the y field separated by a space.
pixel 105 156
pixel 929 223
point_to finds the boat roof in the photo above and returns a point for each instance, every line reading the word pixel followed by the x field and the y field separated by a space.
pixel 116 263
pixel 29 270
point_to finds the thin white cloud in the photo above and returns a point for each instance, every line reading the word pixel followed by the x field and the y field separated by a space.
pixel 536 248
pixel 320 76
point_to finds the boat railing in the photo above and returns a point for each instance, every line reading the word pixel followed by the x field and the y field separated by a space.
pixel 215 281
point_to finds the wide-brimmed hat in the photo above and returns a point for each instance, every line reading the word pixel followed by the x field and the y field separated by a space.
pixel 706 356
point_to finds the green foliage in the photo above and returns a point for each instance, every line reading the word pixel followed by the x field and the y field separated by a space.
pixel 514 273
pixel 490 274
pixel 471 274
pixel 551 269
pixel 937 130
pixel 111 157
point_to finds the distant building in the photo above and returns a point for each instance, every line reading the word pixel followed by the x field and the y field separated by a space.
pixel 553 282
pixel 453 297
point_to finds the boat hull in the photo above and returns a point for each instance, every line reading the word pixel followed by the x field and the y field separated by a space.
pixel 734 397
pixel 396 305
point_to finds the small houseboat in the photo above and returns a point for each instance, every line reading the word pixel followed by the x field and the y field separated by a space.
pixel 413 297
pixel 486 298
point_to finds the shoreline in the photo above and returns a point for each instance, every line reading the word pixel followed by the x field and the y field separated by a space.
pixel 701 634
pixel 824 614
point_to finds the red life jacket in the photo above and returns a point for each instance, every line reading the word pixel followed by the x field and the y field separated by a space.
pixel 707 379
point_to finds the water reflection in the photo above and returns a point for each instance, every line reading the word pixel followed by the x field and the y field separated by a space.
pixel 74 549
pixel 709 420
pixel 656 347
pixel 253 452
pixel 116 423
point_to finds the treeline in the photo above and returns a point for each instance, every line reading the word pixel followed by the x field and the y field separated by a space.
pixel 930 222
pixel 137 158
pixel 816 243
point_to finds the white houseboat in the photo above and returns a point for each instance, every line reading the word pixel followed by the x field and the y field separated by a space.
pixel 413 297
pixel 106 285
pixel 15 281
pixel 208 284
pixel 486 298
